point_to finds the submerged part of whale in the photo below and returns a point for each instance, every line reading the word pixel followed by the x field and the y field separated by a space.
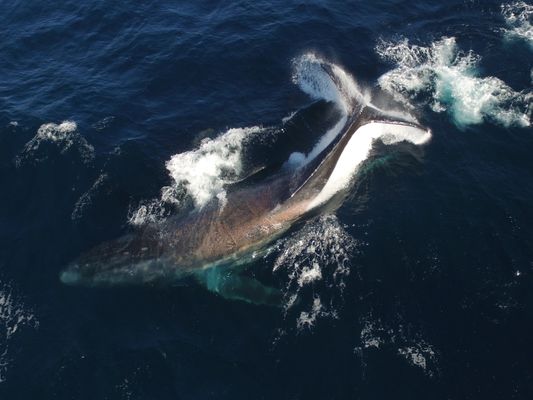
pixel 206 242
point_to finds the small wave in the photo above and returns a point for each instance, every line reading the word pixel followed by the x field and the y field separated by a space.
pixel 289 117
pixel 13 317
pixel 86 199
pixel 104 123
pixel 318 254
pixel 518 17
pixel 358 150
pixel 64 135
pixel 447 79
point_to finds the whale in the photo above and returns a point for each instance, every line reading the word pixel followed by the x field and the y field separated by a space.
pixel 207 243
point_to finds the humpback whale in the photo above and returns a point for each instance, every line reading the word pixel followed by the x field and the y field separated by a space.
pixel 204 241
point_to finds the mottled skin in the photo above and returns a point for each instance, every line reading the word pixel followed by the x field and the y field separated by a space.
pixel 251 217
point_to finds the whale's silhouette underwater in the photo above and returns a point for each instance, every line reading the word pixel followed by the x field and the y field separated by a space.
pixel 204 241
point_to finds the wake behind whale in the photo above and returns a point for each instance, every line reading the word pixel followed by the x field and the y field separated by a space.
pixel 228 233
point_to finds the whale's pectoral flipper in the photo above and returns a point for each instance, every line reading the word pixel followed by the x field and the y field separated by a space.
pixel 231 285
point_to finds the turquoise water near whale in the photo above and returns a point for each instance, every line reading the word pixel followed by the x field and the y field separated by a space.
pixel 114 115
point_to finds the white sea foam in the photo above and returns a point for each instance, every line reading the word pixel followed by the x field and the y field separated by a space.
pixel 64 135
pixel 202 174
pixel 310 274
pixel 14 316
pixel 373 334
pixel 418 355
pixel 205 171
pixel 307 319
pixel 318 254
pixel 518 16
pixel 358 150
pixel 406 341
pixel 448 79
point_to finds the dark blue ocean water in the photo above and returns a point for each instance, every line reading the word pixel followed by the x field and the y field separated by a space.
pixel 419 287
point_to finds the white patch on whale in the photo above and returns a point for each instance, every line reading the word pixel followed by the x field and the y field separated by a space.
pixel 450 78
pixel 358 150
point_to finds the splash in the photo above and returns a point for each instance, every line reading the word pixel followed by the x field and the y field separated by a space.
pixel 205 171
pixel 318 255
pixel 200 174
pixel 14 316
pixel 358 150
pixel 448 80
pixel 518 17
pixel 64 136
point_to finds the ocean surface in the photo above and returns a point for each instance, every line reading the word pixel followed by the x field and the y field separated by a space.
pixel 119 114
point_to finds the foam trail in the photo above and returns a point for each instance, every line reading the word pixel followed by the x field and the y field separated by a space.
pixel 518 17
pixel 323 80
pixel 449 78
pixel 358 150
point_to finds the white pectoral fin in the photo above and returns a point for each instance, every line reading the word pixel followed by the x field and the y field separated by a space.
pixel 230 285
pixel 358 148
